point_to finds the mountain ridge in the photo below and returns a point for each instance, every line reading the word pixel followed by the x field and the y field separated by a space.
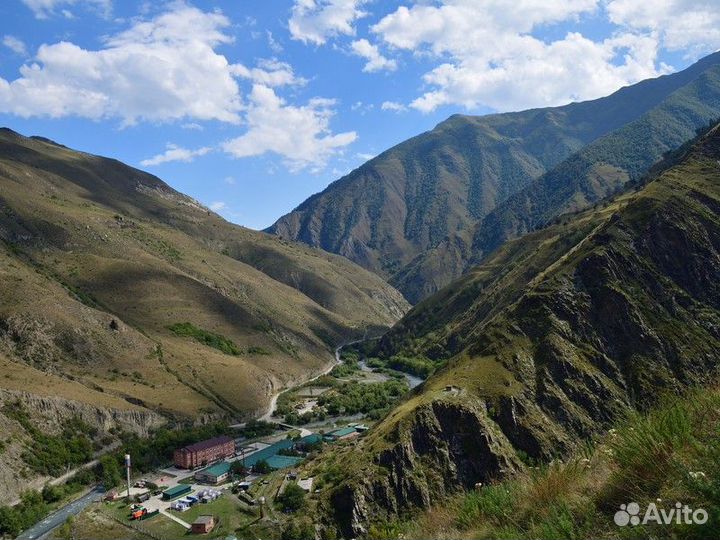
pixel 431 192
pixel 555 337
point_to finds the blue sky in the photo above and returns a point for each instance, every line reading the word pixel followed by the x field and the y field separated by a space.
pixel 250 106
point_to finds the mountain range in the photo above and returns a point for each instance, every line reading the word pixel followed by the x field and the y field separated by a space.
pixel 427 210
pixel 554 338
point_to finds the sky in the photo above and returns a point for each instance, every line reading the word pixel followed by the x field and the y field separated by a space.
pixel 251 106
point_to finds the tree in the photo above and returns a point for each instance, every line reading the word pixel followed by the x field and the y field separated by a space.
pixel 298 530
pixel 52 494
pixel 111 476
pixel 238 469
pixel 292 499
pixel 9 522
pixel 262 467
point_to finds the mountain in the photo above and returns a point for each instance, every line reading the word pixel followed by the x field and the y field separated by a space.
pixel 121 294
pixel 423 212
pixel 555 337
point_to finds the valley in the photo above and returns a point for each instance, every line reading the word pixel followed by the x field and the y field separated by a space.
pixel 505 327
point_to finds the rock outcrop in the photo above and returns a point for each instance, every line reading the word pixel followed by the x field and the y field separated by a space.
pixel 553 340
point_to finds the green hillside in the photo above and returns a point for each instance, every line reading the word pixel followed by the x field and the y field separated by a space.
pixel 101 263
pixel 420 212
pixel 555 338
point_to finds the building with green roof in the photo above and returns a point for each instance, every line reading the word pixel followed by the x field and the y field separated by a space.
pixel 267 453
pixel 282 462
pixel 175 492
pixel 215 474
pixel 342 433
pixel 308 440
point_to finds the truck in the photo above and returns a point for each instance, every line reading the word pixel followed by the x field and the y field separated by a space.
pixel 137 513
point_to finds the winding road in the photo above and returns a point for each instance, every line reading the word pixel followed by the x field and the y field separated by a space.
pixel 267 417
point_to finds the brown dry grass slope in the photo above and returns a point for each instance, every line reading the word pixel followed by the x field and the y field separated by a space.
pixel 98 260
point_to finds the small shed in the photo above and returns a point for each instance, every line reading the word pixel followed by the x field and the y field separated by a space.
pixel 203 525
pixel 176 492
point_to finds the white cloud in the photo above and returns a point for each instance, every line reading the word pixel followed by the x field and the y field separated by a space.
pixel 375 60
pixel 269 73
pixel 161 69
pixel 393 106
pixel 692 25
pixel 217 206
pixel 488 56
pixel 364 156
pixel 192 126
pixel 42 9
pixel 314 21
pixel 175 153
pixel 300 134
pixel 229 180
pixel 274 44
pixel 14 44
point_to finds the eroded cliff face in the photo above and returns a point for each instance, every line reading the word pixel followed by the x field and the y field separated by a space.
pixel 444 447
pixel 627 313
pixel 48 414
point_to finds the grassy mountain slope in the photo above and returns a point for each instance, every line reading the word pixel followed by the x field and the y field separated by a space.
pixel 410 214
pixel 554 338
pixel 590 174
pixel 100 260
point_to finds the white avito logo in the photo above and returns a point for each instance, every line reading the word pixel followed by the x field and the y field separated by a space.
pixel 629 514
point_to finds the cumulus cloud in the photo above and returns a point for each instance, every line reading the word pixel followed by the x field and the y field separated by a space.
pixel 489 57
pixel 692 25
pixel 300 134
pixel 217 206
pixel 314 21
pixel 393 106
pixel 174 152
pixel 270 73
pixel 14 44
pixel 161 69
pixel 375 60
pixel 42 9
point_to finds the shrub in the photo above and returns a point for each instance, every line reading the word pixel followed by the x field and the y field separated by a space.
pixel 292 499
pixel 210 339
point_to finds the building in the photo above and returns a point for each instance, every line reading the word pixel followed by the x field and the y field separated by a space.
pixel 203 525
pixel 204 452
pixel 282 462
pixel 308 441
pixel 266 453
pixel 341 434
pixel 175 492
pixel 215 474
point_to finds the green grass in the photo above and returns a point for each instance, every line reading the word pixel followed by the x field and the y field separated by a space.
pixel 210 339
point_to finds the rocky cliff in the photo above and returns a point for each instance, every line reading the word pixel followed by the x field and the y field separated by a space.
pixel 47 413
pixel 557 336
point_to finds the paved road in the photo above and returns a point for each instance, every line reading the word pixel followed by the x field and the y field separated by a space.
pixel 59 517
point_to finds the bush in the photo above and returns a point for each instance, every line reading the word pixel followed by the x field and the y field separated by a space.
pixel 292 499
pixel 258 428
pixel 216 341
pixel 298 530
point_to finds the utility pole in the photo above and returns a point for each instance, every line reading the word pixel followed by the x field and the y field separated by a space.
pixel 127 474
